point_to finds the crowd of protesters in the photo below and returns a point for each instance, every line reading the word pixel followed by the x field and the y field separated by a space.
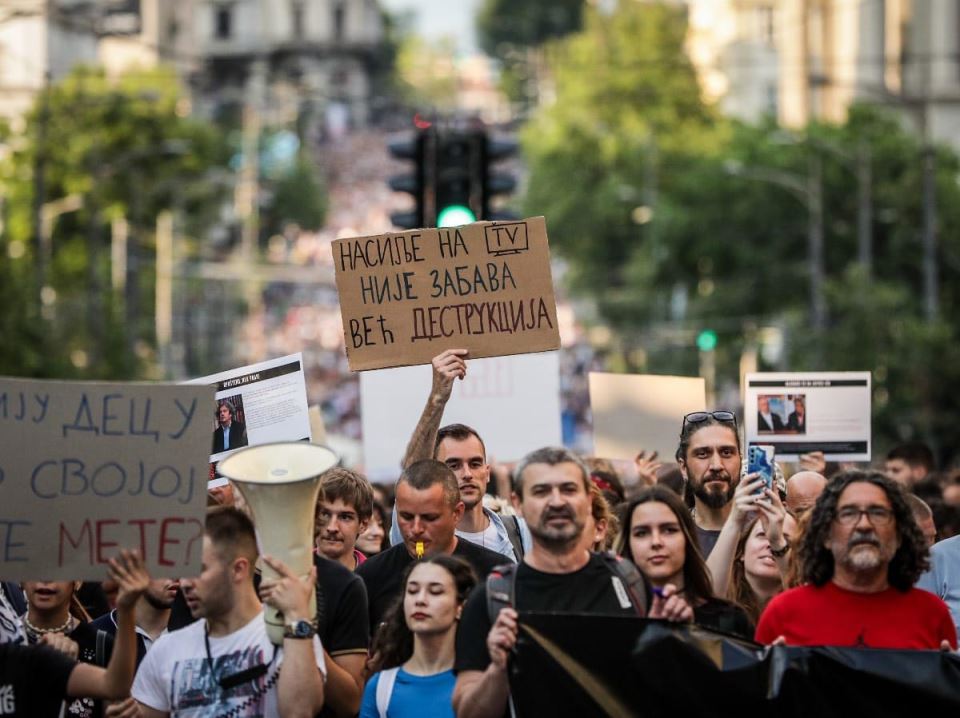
pixel 420 586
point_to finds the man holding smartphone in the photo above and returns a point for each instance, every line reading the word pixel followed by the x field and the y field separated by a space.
pixel 709 458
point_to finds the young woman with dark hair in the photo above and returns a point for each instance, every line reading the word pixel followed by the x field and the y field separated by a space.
pixel 752 552
pixel 660 538
pixel 413 651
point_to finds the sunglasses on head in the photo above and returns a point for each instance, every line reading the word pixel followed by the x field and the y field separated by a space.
pixel 698 417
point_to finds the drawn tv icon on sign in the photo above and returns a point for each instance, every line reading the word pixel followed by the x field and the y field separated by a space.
pixel 507 238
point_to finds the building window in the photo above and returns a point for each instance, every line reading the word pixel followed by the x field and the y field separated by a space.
pixel 339 18
pixel 223 22
pixel 296 19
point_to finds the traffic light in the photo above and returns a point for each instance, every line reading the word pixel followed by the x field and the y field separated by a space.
pixel 707 340
pixel 452 180
pixel 493 183
pixel 458 156
pixel 418 181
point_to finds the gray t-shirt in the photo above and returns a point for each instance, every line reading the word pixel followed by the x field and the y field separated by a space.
pixel 707 539
pixel 943 577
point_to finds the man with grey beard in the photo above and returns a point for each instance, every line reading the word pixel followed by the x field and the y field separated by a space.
pixel 860 557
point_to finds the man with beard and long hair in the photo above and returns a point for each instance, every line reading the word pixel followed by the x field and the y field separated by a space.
pixel 557 574
pixel 861 555
pixel 709 459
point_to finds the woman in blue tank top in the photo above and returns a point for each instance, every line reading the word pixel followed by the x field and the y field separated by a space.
pixel 413 651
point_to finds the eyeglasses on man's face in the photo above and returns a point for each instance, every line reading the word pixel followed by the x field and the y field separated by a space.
pixel 876 515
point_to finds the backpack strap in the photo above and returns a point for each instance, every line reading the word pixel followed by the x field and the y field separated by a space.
pixel 385 689
pixel 101 659
pixel 512 525
pixel 630 577
pixel 500 589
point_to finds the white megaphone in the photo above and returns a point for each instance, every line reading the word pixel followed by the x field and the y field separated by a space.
pixel 280 483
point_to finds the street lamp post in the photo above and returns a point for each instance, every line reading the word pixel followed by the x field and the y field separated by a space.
pixel 809 190
pixel 860 164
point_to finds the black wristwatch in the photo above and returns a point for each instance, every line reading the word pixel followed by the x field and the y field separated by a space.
pixel 301 628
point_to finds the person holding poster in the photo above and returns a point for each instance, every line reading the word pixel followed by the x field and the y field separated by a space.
pixel 35 680
pixel 559 573
pixel 461 448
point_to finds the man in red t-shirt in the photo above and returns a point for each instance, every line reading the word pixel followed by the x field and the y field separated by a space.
pixel 860 556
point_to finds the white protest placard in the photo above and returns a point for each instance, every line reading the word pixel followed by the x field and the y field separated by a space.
pixel 800 412
pixel 641 411
pixel 256 404
pixel 513 402
pixel 90 468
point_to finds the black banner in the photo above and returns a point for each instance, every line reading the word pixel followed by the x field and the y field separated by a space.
pixel 607 665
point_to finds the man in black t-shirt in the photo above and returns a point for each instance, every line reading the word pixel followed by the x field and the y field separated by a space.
pixel 557 574
pixel 428 509
pixel 344 630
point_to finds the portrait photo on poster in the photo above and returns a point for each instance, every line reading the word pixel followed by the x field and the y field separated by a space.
pixel 781 414
pixel 230 427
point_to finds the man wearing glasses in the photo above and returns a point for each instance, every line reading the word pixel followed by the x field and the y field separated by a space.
pixel 709 458
pixel 860 557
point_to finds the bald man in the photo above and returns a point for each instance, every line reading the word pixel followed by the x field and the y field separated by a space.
pixel 803 488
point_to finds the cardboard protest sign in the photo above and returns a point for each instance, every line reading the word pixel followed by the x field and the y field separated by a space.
pixel 485 287
pixel 513 401
pixel 641 411
pixel 800 412
pixel 90 468
pixel 256 404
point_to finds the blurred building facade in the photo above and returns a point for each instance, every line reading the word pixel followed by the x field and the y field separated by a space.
pixel 317 56
pixel 296 56
pixel 803 60
pixel 41 41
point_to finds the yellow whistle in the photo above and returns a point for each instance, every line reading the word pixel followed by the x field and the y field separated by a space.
pixel 419 549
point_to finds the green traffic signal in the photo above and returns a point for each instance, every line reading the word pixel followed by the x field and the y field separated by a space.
pixel 455 215
pixel 707 340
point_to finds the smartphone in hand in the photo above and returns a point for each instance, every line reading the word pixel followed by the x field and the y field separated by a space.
pixel 760 458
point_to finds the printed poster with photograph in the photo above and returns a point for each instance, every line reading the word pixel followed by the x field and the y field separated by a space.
pixel 800 412
pixel 256 404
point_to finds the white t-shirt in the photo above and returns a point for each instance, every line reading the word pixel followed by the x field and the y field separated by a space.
pixel 491 539
pixel 175 675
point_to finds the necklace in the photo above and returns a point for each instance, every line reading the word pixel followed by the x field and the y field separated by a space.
pixel 65 627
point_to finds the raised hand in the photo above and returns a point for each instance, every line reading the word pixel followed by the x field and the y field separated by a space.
pixel 132 579
pixel 647 467
pixel 447 366
pixel 745 499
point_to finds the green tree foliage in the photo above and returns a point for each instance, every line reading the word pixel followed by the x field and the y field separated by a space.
pixel 722 249
pixel 126 148
pixel 426 73
pixel 508 24
pixel 299 197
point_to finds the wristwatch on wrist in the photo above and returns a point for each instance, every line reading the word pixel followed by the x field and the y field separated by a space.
pixel 780 552
pixel 301 628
